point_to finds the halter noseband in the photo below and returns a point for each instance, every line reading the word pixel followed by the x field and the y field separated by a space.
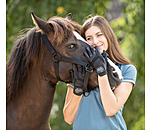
pixel 71 60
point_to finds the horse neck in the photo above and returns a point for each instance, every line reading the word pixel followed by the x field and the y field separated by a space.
pixel 34 100
pixel 39 89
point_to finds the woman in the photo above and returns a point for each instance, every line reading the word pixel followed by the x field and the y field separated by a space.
pixel 102 109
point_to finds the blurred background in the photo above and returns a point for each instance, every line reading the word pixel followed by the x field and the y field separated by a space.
pixel 127 19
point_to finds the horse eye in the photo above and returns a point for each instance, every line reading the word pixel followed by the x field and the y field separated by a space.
pixel 71 46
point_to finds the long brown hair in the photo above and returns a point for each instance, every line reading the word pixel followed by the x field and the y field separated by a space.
pixel 113 50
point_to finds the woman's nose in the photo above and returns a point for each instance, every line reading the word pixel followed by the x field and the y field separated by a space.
pixel 95 41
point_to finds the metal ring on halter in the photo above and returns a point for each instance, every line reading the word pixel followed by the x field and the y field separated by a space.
pixel 58 59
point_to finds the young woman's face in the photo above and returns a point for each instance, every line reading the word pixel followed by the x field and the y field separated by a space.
pixel 95 37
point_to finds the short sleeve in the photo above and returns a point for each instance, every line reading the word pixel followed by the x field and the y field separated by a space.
pixel 70 85
pixel 129 73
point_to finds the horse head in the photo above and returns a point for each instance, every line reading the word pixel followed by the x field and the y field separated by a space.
pixel 63 35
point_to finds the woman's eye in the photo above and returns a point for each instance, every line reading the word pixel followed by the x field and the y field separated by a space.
pixel 71 46
pixel 100 34
pixel 88 39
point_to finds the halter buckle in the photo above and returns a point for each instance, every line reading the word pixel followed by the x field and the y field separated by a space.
pixel 88 69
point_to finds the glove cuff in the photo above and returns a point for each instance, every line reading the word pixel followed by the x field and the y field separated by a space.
pixel 78 90
pixel 103 73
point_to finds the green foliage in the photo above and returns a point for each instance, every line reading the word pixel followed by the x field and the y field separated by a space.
pixel 129 26
pixel 140 124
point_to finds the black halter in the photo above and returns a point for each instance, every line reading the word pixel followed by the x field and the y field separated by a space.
pixel 63 58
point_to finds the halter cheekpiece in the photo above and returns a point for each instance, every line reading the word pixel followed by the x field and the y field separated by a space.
pixel 71 60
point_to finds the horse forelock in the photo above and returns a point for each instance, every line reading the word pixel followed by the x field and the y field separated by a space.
pixel 25 53
pixel 63 28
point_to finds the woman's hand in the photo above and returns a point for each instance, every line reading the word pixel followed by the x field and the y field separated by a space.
pixel 96 59
pixel 77 75
pixel 99 61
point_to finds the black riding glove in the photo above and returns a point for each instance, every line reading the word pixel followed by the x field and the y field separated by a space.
pixel 96 59
pixel 114 74
pixel 77 75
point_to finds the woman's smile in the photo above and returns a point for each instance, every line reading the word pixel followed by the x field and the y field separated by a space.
pixel 99 46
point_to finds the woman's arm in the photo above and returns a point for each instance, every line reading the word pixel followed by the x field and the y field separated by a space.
pixel 113 101
pixel 71 106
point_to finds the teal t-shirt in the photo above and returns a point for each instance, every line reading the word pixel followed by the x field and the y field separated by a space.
pixel 91 114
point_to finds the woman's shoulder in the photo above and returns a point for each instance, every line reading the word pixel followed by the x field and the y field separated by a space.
pixel 129 73
pixel 128 68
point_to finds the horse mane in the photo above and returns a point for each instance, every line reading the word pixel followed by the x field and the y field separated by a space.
pixel 28 49
pixel 24 54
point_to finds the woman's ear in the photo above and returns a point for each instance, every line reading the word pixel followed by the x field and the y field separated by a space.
pixel 68 16
pixel 44 26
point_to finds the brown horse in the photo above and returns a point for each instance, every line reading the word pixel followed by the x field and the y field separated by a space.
pixel 30 73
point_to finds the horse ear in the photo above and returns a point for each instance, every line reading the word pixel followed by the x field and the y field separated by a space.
pixel 44 26
pixel 68 16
